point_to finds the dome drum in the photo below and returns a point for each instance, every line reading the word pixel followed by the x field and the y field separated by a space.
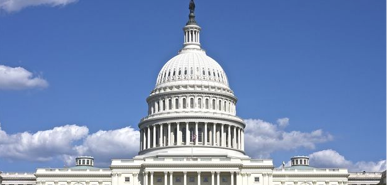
pixel 191 102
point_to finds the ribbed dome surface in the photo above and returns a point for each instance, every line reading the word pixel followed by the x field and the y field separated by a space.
pixel 192 67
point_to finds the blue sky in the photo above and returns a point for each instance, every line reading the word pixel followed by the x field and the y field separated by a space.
pixel 318 65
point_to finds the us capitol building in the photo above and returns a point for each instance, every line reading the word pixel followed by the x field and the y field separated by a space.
pixel 191 136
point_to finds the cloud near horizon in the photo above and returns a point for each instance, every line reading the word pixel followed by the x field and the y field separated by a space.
pixel 64 143
pixel 263 138
pixel 18 78
pixel 17 5
pixel 332 159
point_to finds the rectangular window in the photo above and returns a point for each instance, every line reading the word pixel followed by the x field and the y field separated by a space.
pixel 127 179
pixel 191 179
pixel 224 179
pixel 205 179
pixel 178 179
pixel 256 179
pixel 159 179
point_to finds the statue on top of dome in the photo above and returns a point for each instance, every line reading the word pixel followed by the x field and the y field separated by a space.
pixel 192 6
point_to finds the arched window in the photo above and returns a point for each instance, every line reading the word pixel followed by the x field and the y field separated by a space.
pixel 207 104
pixel 179 72
pixel 185 71
pixel 200 135
pixel 191 103
pixel 213 104
pixel 170 104
pixel 164 104
pixel 220 105
pixel 176 103
pixel 225 106
pixel 200 103
pixel 184 103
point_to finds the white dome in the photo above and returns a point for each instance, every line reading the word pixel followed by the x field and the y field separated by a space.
pixel 192 67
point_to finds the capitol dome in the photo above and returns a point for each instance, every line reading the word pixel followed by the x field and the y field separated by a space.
pixel 192 67
pixel 192 110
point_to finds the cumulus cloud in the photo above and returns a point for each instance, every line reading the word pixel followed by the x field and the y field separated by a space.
pixel 67 142
pixel 106 145
pixel 17 78
pixel 42 145
pixel 262 138
pixel 332 159
pixel 16 5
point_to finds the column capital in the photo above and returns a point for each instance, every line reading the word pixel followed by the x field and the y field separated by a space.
pixel 151 172
pixel 199 172
pixel 212 172
pixel 165 172
pixel 185 172
pixel 171 172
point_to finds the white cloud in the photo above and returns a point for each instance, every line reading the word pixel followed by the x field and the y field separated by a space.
pixel 283 122
pixel 262 138
pixel 332 159
pixel 16 5
pixel 67 142
pixel 106 145
pixel 16 78
pixel 42 145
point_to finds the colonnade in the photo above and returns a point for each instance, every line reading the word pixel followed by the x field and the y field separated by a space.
pixel 192 133
pixel 213 178
pixel 192 36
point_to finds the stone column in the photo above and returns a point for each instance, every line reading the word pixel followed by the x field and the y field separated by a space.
pixel 205 134
pixel 238 178
pixel 151 179
pixel 212 178
pixel 148 135
pixel 232 178
pixel 165 178
pixel 161 135
pixel 239 135
pixel 199 179
pixel 229 136
pixel 187 134
pixel 154 136
pixel 170 178
pixel 185 178
pixel 213 134
pixel 196 133
pixel 169 134
pixel 242 139
pixel 234 138
pixel 145 178
pixel 217 178
pixel 222 135
pixel 141 140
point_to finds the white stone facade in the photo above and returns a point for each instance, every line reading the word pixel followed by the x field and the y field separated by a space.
pixel 190 136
